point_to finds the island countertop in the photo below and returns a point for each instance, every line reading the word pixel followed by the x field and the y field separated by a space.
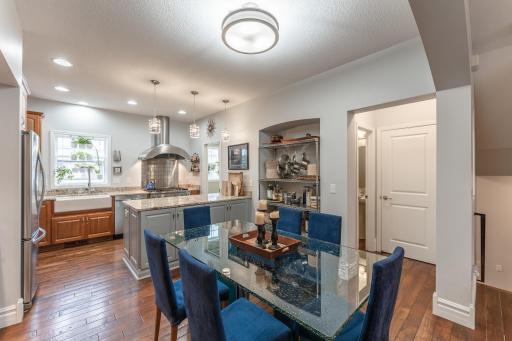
pixel 171 202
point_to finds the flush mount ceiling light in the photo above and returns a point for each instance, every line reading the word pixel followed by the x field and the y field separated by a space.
pixel 154 123
pixel 61 88
pixel 62 62
pixel 182 112
pixel 132 102
pixel 250 30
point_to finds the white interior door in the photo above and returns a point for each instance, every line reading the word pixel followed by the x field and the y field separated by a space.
pixel 407 196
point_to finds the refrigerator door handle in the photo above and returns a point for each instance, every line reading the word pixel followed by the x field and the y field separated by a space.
pixel 41 234
pixel 39 165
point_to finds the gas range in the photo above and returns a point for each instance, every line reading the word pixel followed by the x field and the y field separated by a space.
pixel 167 192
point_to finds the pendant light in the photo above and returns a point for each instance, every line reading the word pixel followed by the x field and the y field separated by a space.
pixel 194 128
pixel 154 123
pixel 225 133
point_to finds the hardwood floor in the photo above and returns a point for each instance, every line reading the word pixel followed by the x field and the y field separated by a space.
pixel 87 293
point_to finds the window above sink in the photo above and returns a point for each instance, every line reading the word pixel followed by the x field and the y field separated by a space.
pixel 73 154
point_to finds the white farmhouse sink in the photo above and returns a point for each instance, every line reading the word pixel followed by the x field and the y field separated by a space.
pixel 82 202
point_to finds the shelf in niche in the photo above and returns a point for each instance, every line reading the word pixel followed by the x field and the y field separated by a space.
pixel 280 204
pixel 288 144
pixel 300 181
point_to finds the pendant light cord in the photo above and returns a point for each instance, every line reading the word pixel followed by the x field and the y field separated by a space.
pixel 154 99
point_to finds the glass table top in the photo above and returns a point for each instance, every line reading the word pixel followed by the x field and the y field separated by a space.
pixel 320 285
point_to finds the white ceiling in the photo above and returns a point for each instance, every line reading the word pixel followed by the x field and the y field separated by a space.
pixel 117 46
pixel 491 30
pixel 491 24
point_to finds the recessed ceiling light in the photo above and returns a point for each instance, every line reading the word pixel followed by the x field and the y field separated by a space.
pixel 132 102
pixel 62 62
pixel 250 30
pixel 61 88
pixel 82 103
pixel 182 112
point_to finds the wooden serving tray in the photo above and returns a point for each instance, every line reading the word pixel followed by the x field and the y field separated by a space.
pixel 248 243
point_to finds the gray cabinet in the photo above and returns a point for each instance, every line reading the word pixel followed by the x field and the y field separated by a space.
pixel 218 213
pixel 179 223
pixel 237 210
pixel 126 230
pixel 164 221
pixel 133 249
pixel 160 222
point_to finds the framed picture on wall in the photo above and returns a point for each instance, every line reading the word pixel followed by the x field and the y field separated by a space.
pixel 238 157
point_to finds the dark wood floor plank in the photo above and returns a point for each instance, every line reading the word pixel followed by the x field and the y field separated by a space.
pixel 493 311
pixel 506 308
pixel 87 293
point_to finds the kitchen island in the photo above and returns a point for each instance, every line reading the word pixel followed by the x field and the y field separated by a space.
pixel 165 215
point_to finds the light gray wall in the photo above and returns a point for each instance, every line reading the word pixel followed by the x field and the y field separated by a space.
pixel 11 106
pixel 394 74
pixel 128 133
pixel 494 198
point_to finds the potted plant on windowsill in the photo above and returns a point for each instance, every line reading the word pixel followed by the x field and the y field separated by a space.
pixel 82 142
pixel 81 155
pixel 62 172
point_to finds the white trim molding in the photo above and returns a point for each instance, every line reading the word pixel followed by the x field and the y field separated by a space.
pixel 12 314
pixel 458 313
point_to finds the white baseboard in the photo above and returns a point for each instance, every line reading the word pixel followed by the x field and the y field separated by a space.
pixel 460 314
pixel 12 314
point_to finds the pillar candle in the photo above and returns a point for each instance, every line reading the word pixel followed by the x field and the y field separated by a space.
pixel 262 205
pixel 260 218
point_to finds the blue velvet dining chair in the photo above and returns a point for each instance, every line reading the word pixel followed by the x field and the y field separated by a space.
pixel 290 220
pixel 325 227
pixel 168 295
pixel 196 217
pixel 241 320
pixel 375 323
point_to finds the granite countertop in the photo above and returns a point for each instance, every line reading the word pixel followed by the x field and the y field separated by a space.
pixel 170 202
pixel 113 191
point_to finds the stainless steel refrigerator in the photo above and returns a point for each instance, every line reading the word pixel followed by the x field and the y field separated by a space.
pixel 33 187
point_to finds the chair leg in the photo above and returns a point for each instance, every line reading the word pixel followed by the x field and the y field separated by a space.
pixel 158 317
pixel 174 332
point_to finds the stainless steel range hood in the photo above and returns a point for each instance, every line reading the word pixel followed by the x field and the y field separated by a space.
pixel 161 147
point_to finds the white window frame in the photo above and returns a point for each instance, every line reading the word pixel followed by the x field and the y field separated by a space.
pixel 108 169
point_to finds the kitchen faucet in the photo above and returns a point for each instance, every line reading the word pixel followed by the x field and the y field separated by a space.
pixel 89 185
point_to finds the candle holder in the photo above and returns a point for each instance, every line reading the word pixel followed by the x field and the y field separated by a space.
pixel 261 235
pixel 274 237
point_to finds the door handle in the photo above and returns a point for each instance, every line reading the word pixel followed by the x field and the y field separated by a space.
pixel 42 234
pixel 385 197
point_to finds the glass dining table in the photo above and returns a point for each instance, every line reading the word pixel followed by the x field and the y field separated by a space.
pixel 319 285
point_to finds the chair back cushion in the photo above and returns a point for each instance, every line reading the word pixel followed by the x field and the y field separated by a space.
pixel 196 217
pixel 290 220
pixel 201 298
pixel 165 295
pixel 326 227
pixel 383 293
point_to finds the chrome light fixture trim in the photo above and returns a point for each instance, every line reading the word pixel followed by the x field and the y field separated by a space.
pixel 264 35
pixel 194 128
pixel 154 122
pixel 225 133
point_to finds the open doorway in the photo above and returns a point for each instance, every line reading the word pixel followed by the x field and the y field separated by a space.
pixel 400 208
pixel 362 172
pixel 213 167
